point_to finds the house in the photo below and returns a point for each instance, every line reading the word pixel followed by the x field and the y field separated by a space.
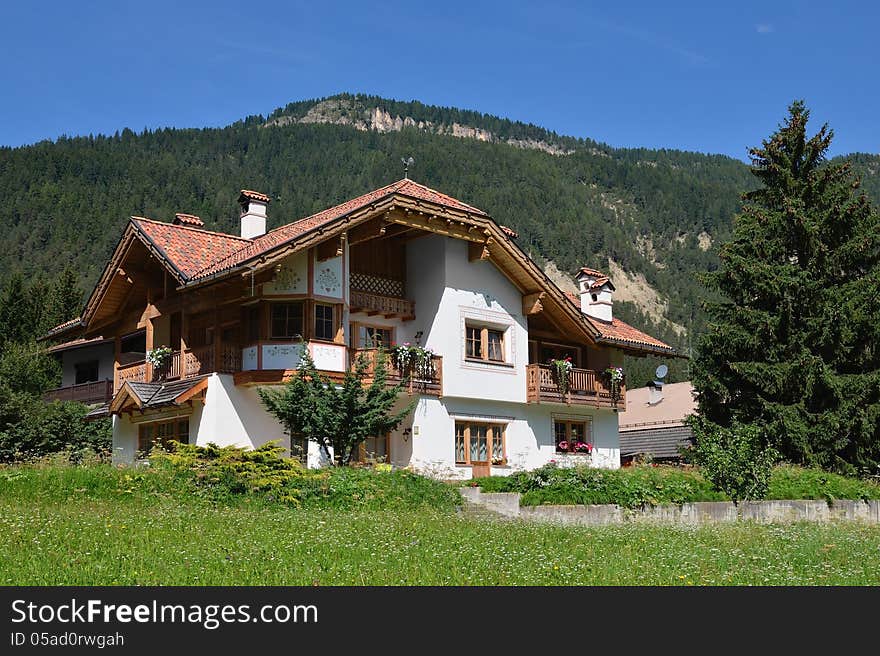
pixel 654 422
pixel 403 263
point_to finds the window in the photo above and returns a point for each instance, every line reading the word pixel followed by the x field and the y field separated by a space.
pixel 86 372
pixel 252 324
pixel 299 448
pixel 324 328
pixel 559 352
pixel 474 343
pixel 479 443
pixel 482 343
pixel 162 434
pixel 374 337
pixel 375 449
pixel 570 434
pixel 287 320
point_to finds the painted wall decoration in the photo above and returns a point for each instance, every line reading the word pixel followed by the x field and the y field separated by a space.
pixel 329 357
pixel 249 358
pixel 282 356
pixel 328 278
pixel 292 278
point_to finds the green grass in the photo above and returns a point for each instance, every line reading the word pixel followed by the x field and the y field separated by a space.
pixel 103 526
pixel 633 487
pixel 173 543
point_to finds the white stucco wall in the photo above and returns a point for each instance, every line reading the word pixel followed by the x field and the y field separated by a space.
pixel 529 436
pixel 449 290
pixel 103 353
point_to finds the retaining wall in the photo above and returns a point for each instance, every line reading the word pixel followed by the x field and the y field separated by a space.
pixel 703 512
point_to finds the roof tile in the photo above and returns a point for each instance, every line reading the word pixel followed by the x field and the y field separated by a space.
pixel 188 249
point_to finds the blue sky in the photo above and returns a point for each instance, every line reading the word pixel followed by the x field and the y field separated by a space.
pixel 704 76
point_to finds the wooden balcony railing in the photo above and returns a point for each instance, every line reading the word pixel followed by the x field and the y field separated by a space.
pixel 96 392
pixel 387 306
pixel 427 381
pixel 186 364
pixel 585 387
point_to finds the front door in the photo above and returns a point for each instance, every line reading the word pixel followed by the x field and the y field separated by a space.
pixel 479 451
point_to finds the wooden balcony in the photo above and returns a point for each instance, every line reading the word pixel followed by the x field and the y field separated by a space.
pixel 100 391
pixel 187 364
pixel 428 381
pixel 378 304
pixel 586 387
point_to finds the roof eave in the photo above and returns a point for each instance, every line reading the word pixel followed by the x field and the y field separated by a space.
pixel 642 348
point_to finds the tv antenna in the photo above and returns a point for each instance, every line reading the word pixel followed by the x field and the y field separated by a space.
pixel 407 162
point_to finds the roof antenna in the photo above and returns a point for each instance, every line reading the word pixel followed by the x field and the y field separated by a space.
pixel 407 162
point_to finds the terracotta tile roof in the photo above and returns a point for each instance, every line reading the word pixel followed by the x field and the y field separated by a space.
pixel 76 343
pixel 278 236
pixel 187 219
pixel 188 249
pixel 510 232
pixel 254 195
pixel 620 331
pixel 61 328
pixel 592 272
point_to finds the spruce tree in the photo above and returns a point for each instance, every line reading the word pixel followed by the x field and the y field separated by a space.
pixel 794 347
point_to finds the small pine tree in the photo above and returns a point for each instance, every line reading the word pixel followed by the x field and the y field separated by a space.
pixel 795 345
pixel 337 417
pixel 65 298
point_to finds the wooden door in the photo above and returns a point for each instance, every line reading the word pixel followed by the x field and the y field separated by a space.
pixel 480 454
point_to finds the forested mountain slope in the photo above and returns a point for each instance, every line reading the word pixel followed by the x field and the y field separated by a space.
pixel 654 217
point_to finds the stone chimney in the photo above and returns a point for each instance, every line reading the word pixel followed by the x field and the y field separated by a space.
pixel 253 213
pixel 596 293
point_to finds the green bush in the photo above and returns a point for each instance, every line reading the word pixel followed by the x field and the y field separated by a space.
pixel 631 487
pixel 30 428
pixel 736 460
pixel 228 476
pixel 790 482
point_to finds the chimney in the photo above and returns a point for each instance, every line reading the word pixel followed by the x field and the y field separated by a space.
pixel 253 213
pixel 595 290
pixel 655 392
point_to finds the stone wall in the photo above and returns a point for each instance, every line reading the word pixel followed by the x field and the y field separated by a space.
pixel 705 512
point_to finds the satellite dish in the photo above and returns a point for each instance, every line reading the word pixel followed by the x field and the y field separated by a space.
pixel 661 372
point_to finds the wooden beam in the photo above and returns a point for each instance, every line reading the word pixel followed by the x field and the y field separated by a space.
pixel 532 303
pixel 478 251
pixel 441 228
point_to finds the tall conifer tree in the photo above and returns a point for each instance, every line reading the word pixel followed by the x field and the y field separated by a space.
pixel 795 345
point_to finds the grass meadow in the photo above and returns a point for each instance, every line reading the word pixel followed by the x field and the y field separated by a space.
pixel 103 526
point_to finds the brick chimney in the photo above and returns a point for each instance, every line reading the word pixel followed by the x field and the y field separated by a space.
pixel 596 293
pixel 253 213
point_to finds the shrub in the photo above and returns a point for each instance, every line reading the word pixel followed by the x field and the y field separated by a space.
pixel 31 429
pixel 736 460
pixel 631 488
pixel 789 482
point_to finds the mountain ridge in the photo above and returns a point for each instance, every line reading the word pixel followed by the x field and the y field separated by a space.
pixel 657 216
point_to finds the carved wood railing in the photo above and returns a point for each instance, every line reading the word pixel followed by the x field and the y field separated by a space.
pixel 183 364
pixel 389 306
pixel 585 387
pixel 230 359
pixel 99 391
pixel 135 372
pixel 417 383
